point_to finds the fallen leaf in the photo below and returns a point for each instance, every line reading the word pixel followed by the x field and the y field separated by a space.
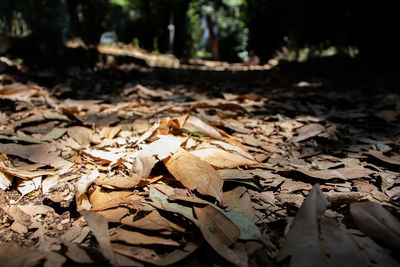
pixel 194 124
pixel 341 173
pixel 77 254
pixel 195 174
pixel 317 240
pixel 222 159
pixel 374 220
pixel 218 231
pixel 238 199
pixel 99 227
pixel 12 255
pixel 160 201
pixel 5 180
pixel 80 134
pixel 307 131
pixel 152 221
pixel 43 154
pixel 136 238
pixel 81 187
pixel 378 155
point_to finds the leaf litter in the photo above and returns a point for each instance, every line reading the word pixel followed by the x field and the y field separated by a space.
pixel 163 175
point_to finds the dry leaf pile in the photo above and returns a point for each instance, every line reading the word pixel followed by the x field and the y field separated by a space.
pixel 161 173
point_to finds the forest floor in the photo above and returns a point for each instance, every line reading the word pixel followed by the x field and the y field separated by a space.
pixel 120 164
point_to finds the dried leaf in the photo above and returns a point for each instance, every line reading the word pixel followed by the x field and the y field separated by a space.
pixel 195 174
pixel 222 159
pixel 308 131
pixel 218 231
pixel 378 155
pixel 238 199
pixel 43 154
pixel 81 135
pixel 81 186
pixel 341 173
pixel 194 124
pixel 99 227
pixel 136 238
pixel 77 254
pixel 160 201
pixel 374 220
pixel 24 138
pixel 152 221
pixel 12 255
pixel 5 180
pixel 315 240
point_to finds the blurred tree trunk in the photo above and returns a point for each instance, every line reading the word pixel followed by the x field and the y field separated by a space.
pixel 213 38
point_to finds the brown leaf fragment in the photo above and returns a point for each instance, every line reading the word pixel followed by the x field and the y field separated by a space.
pixel 238 199
pixel 344 197
pixel 374 220
pixel 389 160
pixel 118 181
pixel 23 173
pixel 43 153
pixel 307 131
pixel 341 173
pixel 195 174
pixel 12 255
pixel 152 221
pixel 150 256
pixel 81 186
pixel 54 259
pixel 219 232
pixel 99 227
pixel 375 254
pixel 80 134
pixel 292 186
pixel 114 215
pixel 222 159
pixel 315 240
pixel 136 238
pixel 77 254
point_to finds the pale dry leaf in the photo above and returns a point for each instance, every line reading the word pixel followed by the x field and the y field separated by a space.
pixel 195 174
pixel 99 227
pixel 232 148
pixel 5 180
pixel 27 186
pixel 316 240
pixel 194 124
pixel 222 159
pixel 81 187
pixel 374 220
